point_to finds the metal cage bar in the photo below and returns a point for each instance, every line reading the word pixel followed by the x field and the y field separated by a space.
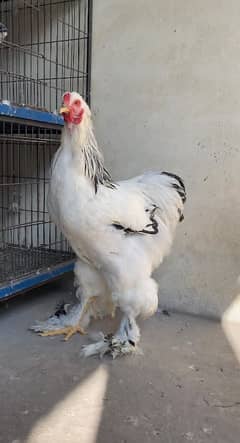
pixel 45 49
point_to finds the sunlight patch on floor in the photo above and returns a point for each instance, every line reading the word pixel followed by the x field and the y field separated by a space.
pixel 231 325
pixel 76 418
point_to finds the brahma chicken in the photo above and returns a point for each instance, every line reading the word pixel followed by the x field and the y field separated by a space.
pixel 120 232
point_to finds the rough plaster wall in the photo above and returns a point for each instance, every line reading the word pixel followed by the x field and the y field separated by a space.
pixel 166 94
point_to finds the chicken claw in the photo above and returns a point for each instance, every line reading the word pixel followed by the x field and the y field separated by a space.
pixel 68 331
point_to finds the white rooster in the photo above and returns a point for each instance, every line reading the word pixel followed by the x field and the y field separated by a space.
pixel 120 233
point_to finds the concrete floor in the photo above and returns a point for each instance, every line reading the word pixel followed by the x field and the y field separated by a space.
pixel 186 386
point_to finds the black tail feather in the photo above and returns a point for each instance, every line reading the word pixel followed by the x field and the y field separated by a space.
pixel 180 187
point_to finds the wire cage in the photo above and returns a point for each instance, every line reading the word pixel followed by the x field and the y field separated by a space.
pixel 45 49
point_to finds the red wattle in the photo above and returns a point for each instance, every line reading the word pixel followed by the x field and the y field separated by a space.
pixel 74 118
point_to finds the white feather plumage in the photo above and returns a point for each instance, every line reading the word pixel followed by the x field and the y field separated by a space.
pixel 115 262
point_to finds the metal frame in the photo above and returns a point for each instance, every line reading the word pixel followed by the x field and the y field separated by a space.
pixel 47 51
pixel 29 129
pixel 25 284
pixel 25 113
pixel 89 52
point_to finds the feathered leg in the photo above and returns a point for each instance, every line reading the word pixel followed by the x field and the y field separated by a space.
pixel 141 300
pixel 123 342
pixel 68 323
pixel 94 302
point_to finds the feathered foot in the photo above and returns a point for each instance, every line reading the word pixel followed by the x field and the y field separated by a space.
pixel 124 342
pixel 110 344
pixel 68 331
pixel 65 321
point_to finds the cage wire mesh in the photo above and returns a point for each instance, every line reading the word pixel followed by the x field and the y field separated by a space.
pixel 44 51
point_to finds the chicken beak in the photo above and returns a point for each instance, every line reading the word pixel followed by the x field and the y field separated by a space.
pixel 64 110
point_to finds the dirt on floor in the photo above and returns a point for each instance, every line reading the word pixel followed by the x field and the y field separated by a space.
pixel 185 387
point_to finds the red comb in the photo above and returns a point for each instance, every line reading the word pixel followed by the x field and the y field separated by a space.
pixel 66 98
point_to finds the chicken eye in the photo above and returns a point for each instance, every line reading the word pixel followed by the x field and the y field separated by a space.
pixel 77 103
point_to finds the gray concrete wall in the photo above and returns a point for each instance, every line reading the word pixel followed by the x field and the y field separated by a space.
pixel 166 95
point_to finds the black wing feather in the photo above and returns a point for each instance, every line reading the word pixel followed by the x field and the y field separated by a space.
pixel 151 228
